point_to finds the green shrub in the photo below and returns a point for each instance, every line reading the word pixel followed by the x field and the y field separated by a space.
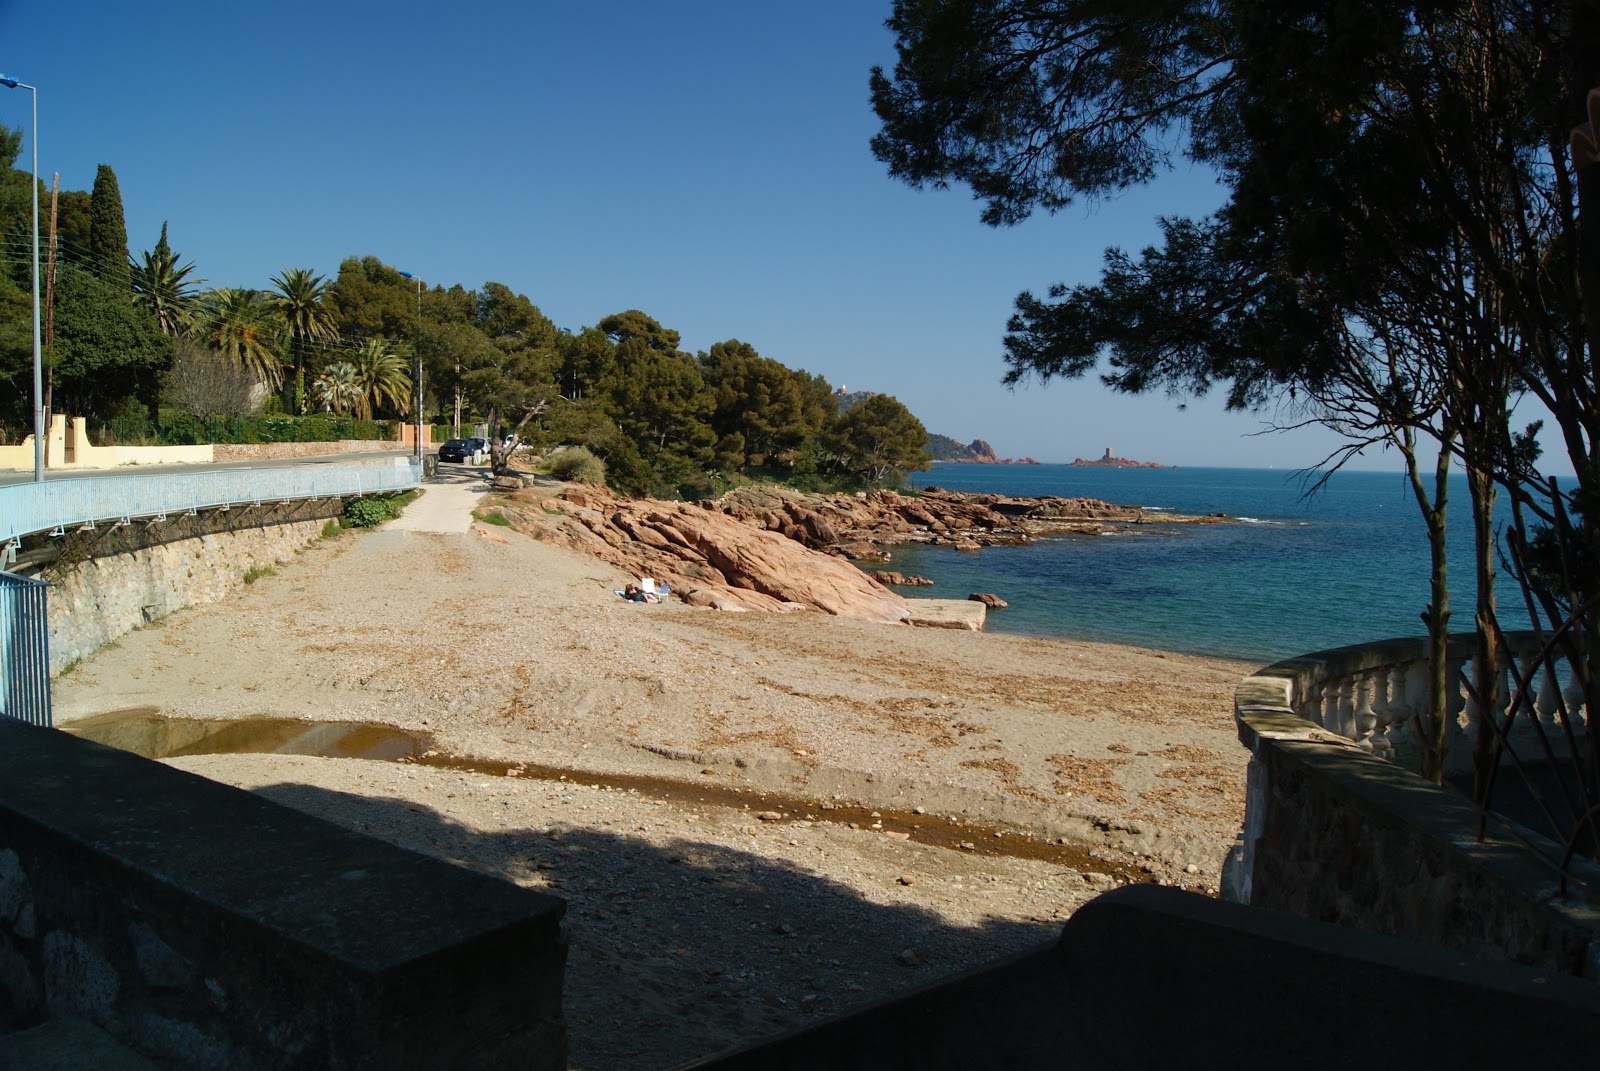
pixel 332 529
pixel 575 464
pixel 372 510
pixel 252 574
pixel 495 517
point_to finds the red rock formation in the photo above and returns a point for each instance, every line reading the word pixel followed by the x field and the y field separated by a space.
pixel 711 558
pixel 771 548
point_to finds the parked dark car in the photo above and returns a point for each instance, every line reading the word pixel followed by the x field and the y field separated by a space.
pixel 455 450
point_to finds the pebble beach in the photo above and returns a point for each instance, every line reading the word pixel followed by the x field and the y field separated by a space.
pixel 756 819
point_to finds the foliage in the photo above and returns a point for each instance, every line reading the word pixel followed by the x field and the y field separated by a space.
pixel 449 352
pixel 369 299
pixel 381 379
pixel 335 389
pixel 575 464
pixel 175 427
pixel 108 233
pixel 298 303
pixel 761 408
pixel 254 573
pixel 232 322
pixel 944 448
pixel 622 327
pixel 877 438
pixel 372 510
pixel 662 408
pixel 161 286
pixel 16 353
pixel 16 201
pixel 104 350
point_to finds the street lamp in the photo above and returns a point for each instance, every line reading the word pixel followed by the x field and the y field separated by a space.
pixel 38 359
pixel 416 347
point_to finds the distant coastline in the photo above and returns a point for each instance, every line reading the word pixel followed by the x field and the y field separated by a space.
pixel 987 461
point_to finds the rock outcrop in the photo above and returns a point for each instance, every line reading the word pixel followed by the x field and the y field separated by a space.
pixel 848 523
pixel 773 548
pixel 709 557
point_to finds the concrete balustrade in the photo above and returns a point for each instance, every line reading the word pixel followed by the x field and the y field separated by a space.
pixel 1374 694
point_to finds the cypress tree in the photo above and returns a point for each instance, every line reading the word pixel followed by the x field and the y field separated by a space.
pixel 108 234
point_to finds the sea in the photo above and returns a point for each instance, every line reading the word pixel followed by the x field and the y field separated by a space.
pixel 1295 571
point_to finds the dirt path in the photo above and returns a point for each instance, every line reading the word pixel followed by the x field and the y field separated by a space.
pixel 694 925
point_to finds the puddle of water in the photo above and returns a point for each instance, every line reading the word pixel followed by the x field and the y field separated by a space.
pixel 145 731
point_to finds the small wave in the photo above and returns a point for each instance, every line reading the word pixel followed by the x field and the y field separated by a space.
pixel 1156 509
pixel 1258 520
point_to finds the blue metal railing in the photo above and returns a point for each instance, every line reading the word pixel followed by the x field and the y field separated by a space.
pixel 24 650
pixel 55 505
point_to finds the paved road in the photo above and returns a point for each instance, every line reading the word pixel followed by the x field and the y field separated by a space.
pixel 447 501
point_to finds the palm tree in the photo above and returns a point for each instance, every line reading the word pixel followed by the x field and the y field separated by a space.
pixel 335 390
pixel 380 376
pixel 232 322
pixel 163 286
pixel 299 304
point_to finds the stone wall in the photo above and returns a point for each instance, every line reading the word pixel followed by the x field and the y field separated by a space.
pixel 109 581
pixel 208 928
pixel 271 451
pixel 1335 834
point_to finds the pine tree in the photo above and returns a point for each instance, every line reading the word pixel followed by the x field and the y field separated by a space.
pixel 108 234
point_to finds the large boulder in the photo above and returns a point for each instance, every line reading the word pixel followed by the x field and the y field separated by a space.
pixel 711 558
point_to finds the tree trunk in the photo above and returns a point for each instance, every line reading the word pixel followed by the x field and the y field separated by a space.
pixel 1486 647
pixel 1433 726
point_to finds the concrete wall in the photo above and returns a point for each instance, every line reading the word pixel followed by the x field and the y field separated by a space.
pixel 67 446
pixel 209 928
pixel 109 581
pixel 1146 977
pixel 1335 834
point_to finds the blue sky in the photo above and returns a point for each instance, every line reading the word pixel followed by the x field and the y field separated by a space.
pixel 706 162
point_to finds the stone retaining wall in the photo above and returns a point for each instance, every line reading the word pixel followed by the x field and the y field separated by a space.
pixel 109 581
pixel 209 928
pixel 271 451
pixel 1335 834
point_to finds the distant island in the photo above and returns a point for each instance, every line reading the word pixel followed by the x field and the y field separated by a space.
pixel 978 452
pixel 1112 461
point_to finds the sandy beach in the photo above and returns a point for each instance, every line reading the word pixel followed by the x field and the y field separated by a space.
pixel 776 895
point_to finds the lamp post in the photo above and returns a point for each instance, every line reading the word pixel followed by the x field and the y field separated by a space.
pixel 38 357
pixel 416 348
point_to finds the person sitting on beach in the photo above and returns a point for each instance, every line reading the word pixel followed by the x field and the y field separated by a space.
pixel 647 590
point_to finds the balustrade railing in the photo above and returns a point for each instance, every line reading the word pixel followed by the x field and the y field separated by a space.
pixel 1375 693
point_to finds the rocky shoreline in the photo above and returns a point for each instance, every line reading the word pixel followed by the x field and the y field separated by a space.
pixel 776 549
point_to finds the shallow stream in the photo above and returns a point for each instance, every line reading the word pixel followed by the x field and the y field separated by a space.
pixel 147 732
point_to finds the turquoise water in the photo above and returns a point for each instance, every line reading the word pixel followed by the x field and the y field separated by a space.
pixel 1295 574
